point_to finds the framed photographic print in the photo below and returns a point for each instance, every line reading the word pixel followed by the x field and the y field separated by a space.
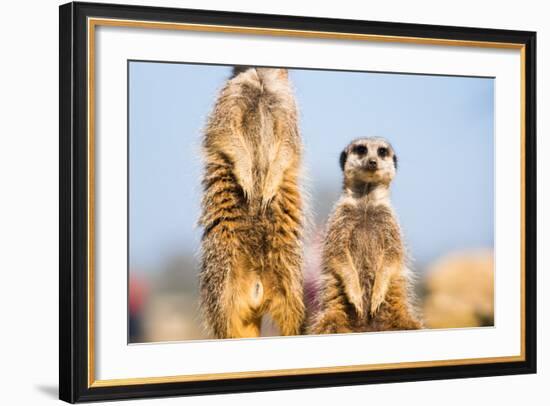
pixel 257 202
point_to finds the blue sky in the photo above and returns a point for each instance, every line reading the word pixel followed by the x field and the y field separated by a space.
pixel 441 127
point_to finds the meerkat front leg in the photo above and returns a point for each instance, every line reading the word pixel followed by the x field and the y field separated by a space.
pixel 352 283
pixel 238 151
pixel 282 158
pixel 397 311
pixel 333 317
pixel 382 280
pixel 342 276
pixel 342 295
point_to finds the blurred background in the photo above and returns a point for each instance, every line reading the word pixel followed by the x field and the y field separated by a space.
pixel 440 126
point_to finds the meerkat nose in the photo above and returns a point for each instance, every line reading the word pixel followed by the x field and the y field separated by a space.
pixel 372 164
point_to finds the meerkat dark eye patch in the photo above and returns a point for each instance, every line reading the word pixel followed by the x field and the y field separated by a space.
pixel 360 150
pixel 383 152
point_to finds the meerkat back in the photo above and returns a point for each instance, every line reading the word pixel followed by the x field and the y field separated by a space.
pixel 251 207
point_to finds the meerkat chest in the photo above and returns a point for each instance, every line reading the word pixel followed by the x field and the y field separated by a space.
pixel 373 232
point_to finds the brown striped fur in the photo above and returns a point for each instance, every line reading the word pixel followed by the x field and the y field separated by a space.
pixel 364 276
pixel 251 208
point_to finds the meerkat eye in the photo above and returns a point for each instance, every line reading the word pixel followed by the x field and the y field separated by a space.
pixel 360 150
pixel 383 152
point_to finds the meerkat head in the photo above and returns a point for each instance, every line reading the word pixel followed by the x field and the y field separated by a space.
pixel 368 162
pixel 264 74
pixel 247 79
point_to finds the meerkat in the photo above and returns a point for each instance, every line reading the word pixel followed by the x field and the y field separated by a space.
pixel 365 286
pixel 252 214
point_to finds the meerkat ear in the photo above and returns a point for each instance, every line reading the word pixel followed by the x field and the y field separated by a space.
pixel 238 70
pixel 343 159
pixel 395 161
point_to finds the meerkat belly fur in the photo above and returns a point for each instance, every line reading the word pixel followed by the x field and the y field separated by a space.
pixel 365 283
pixel 252 214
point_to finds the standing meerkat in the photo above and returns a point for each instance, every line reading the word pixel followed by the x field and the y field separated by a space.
pixel 252 215
pixel 364 274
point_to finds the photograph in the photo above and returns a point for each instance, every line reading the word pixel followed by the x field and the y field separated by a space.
pixel 273 201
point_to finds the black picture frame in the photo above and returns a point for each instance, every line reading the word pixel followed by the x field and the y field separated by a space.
pixel 73 196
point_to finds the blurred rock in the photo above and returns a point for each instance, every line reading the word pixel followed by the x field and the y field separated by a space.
pixel 172 317
pixel 459 291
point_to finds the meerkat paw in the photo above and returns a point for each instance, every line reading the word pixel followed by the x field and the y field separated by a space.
pixel 376 301
pixel 246 187
pixel 381 285
pixel 266 201
pixel 273 179
pixel 268 194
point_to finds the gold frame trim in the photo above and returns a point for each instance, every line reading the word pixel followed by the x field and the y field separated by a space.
pixel 93 22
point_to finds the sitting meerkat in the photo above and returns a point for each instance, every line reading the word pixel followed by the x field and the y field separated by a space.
pixel 252 216
pixel 364 275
